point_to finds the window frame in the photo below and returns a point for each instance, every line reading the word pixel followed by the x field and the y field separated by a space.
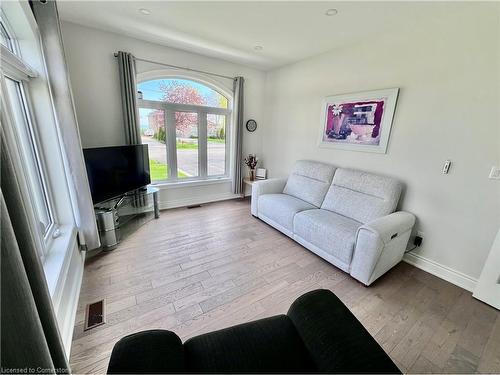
pixel 202 112
pixel 41 135
pixel 34 144
pixel 5 25
pixel 18 71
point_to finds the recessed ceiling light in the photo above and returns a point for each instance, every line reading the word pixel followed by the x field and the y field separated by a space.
pixel 258 48
pixel 145 11
pixel 331 12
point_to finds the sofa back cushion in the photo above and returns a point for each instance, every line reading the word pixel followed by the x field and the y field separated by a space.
pixel 269 345
pixel 362 196
pixel 309 181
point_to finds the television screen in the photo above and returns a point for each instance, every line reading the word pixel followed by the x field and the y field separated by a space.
pixel 113 171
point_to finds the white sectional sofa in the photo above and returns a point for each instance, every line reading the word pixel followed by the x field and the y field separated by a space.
pixel 343 215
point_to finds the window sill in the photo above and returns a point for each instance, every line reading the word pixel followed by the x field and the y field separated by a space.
pixel 57 259
pixel 183 184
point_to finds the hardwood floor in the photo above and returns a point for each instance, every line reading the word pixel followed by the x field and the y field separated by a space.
pixel 197 270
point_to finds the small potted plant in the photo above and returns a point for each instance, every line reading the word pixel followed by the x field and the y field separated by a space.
pixel 251 162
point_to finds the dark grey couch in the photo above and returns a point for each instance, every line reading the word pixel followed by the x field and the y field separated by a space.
pixel 318 334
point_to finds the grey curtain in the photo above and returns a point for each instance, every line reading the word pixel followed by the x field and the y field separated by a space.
pixel 238 129
pixel 47 19
pixel 128 90
pixel 29 335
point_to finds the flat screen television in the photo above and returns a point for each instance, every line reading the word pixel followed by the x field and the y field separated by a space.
pixel 114 171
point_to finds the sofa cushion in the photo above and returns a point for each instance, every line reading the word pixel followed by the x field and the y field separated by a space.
pixel 331 232
pixel 337 341
pixel 310 181
pixel 268 345
pixel 148 352
pixel 362 196
pixel 281 208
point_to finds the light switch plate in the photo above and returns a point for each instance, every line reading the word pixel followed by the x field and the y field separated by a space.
pixel 446 166
pixel 495 173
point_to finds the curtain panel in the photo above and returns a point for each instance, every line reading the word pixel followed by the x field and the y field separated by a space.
pixel 238 108
pixel 128 91
pixel 29 336
pixel 47 19
pixel 131 120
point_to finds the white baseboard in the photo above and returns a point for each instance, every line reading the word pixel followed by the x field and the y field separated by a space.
pixel 455 277
pixel 197 200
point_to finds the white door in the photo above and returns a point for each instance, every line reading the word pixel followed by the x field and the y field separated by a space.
pixel 488 285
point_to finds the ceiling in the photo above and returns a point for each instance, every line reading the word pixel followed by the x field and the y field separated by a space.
pixel 287 31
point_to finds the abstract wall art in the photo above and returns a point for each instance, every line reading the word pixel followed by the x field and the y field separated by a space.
pixel 358 122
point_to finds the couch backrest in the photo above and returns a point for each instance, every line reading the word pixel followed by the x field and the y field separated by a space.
pixel 362 196
pixel 309 181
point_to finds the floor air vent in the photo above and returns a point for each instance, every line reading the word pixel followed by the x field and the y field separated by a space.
pixel 95 315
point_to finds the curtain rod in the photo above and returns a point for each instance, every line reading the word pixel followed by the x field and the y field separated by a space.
pixel 181 67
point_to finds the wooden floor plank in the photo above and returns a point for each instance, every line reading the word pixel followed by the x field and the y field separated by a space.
pixel 198 270
pixel 490 360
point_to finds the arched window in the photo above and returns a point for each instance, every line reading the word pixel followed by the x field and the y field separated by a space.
pixel 185 123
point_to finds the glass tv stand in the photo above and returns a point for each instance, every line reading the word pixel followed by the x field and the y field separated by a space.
pixel 119 217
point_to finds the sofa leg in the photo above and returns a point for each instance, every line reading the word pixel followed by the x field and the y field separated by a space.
pixel 363 284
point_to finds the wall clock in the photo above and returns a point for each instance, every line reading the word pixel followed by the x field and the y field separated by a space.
pixel 251 125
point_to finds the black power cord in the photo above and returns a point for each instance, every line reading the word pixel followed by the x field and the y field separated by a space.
pixel 408 250
pixel 417 242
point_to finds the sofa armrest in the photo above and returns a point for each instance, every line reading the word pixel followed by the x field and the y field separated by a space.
pixel 380 245
pixel 336 341
pixel 148 352
pixel 270 186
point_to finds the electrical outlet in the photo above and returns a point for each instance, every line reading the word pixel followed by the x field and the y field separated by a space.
pixel 415 241
pixel 419 238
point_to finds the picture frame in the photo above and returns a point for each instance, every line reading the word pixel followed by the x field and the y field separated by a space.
pixel 358 121
pixel 261 174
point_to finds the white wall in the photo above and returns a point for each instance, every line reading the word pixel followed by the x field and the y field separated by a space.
pixel 96 88
pixel 448 73
pixel 448 108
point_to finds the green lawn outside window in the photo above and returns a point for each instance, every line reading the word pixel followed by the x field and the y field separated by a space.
pixel 159 171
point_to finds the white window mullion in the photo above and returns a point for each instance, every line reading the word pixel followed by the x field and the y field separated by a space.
pixel 182 107
pixel 202 144
pixel 171 144
pixel 228 134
